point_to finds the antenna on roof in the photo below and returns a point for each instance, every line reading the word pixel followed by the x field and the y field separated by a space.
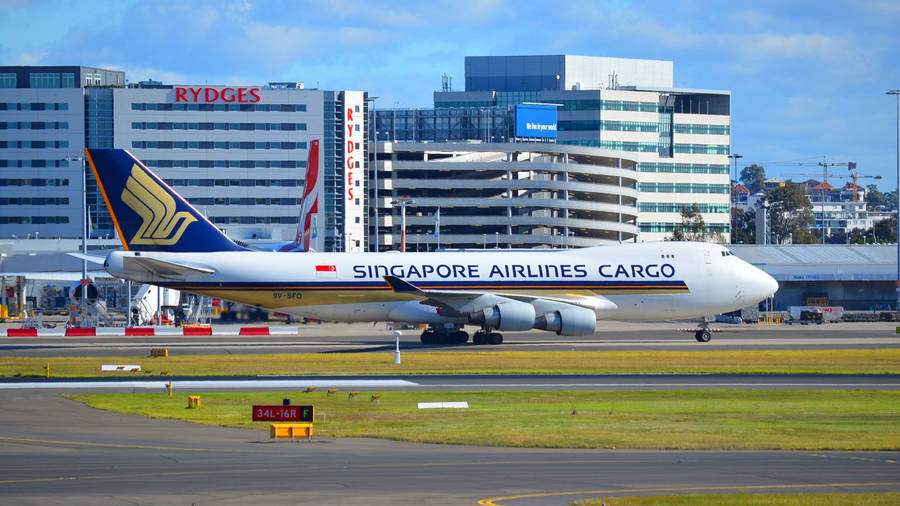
pixel 446 83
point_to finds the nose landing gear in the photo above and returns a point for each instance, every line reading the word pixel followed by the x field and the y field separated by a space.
pixel 703 334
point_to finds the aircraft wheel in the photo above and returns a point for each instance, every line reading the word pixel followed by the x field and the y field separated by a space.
pixel 460 337
pixel 479 338
pixel 703 336
pixel 427 337
pixel 495 338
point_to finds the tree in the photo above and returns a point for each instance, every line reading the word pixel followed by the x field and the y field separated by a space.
pixel 790 214
pixel 752 177
pixel 886 230
pixel 874 198
pixel 743 226
pixel 693 228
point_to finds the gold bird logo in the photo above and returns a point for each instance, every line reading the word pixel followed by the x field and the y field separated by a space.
pixel 162 225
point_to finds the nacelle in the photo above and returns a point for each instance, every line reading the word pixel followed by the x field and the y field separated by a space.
pixel 572 321
pixel 505 316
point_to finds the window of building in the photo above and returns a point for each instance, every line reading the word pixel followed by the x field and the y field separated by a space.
pixel 68 80
pixel 7 80
pixel 44 80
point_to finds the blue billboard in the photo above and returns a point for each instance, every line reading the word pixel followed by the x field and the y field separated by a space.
pixel 536 121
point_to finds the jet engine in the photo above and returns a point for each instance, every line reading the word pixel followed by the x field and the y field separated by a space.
pixel 570 321
pixel 511 315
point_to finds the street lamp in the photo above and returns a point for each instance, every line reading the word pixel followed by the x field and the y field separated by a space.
pixel 374 168
pixel 896 93
pixel 402 202
pixel 83 226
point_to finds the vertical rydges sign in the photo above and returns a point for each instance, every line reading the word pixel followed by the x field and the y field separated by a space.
pixel 354 174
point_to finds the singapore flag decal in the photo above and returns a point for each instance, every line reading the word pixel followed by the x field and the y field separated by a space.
pixel 326 271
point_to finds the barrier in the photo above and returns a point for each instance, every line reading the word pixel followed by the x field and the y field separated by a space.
pixel 291 430
pixel 159 352
pixel 81 331
pixel 139 331
pixel 194 401
pixel 21 332
pixel 197 331
pixel 254 331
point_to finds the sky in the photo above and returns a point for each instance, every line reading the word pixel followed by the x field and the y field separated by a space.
pixel 807 78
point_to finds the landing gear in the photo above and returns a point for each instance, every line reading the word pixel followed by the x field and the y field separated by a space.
pixel 703 335
pixel 444 336
pixel 487 337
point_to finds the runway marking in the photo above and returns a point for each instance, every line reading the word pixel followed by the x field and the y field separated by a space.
pixel 659 385
pixel 208 384
pixel 475 463
pixel 493 501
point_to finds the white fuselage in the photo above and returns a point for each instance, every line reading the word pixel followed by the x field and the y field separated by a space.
pixel 632 281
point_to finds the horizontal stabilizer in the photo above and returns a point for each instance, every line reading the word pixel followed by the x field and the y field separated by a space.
pixel 162 268
pixel 89 258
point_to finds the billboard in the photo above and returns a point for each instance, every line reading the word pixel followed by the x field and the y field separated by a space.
pixel 536 121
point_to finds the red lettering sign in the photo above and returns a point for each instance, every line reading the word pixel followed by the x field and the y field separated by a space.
pixel 208 95
pixel 283 413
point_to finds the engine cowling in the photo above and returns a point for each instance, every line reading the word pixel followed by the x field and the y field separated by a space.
pixel 505 316
pixel 571 321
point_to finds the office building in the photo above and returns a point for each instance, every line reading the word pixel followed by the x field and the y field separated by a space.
pixel 237 153
pixel 679 137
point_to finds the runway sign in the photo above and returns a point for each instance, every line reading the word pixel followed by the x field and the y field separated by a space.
pixel 284 413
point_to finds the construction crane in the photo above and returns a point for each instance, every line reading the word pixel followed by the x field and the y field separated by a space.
pixel 851 167
pixel 852 176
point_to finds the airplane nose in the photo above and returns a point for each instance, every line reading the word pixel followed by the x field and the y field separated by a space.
pixel 764 285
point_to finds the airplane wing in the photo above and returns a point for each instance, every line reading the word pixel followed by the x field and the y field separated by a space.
pixel 147 266
pixel 465 301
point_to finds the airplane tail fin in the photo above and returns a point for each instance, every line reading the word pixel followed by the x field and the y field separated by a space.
pixel 309 208
pixel 148 214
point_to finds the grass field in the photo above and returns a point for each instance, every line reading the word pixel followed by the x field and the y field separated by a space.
pixel 692 419
pixel 867 361
pixel 865 499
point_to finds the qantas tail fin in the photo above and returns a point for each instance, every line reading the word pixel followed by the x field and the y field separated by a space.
pixel 148 214
pixel 307 226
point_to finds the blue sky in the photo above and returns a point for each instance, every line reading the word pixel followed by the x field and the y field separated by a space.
pixel 808 78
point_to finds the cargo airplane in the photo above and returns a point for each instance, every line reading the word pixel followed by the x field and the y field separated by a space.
pixel 169 243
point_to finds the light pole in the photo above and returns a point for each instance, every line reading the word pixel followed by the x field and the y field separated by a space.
pixel 402 202
pixel 734 159
pixel 374 168
pixel 83 226
pixel 896 93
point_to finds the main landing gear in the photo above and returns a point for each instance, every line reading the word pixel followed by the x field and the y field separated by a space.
pixel 432 335
pixel 485 336
pixel 703 335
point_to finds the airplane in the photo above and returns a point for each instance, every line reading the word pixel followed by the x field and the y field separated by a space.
pixel 169 243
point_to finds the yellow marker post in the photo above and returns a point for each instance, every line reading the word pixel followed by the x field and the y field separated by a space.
pixel 171 388
pixel 47 369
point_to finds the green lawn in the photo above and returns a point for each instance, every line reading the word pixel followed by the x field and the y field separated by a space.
pixel 690 419
pixel 868 361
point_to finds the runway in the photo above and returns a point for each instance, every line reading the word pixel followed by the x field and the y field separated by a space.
pixel 363 338
pixel 467 382
pixel 55 451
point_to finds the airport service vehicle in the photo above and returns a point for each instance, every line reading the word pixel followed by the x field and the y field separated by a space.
pixel 169 243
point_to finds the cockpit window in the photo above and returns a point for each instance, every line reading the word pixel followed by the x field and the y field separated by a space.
pixel 726 253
